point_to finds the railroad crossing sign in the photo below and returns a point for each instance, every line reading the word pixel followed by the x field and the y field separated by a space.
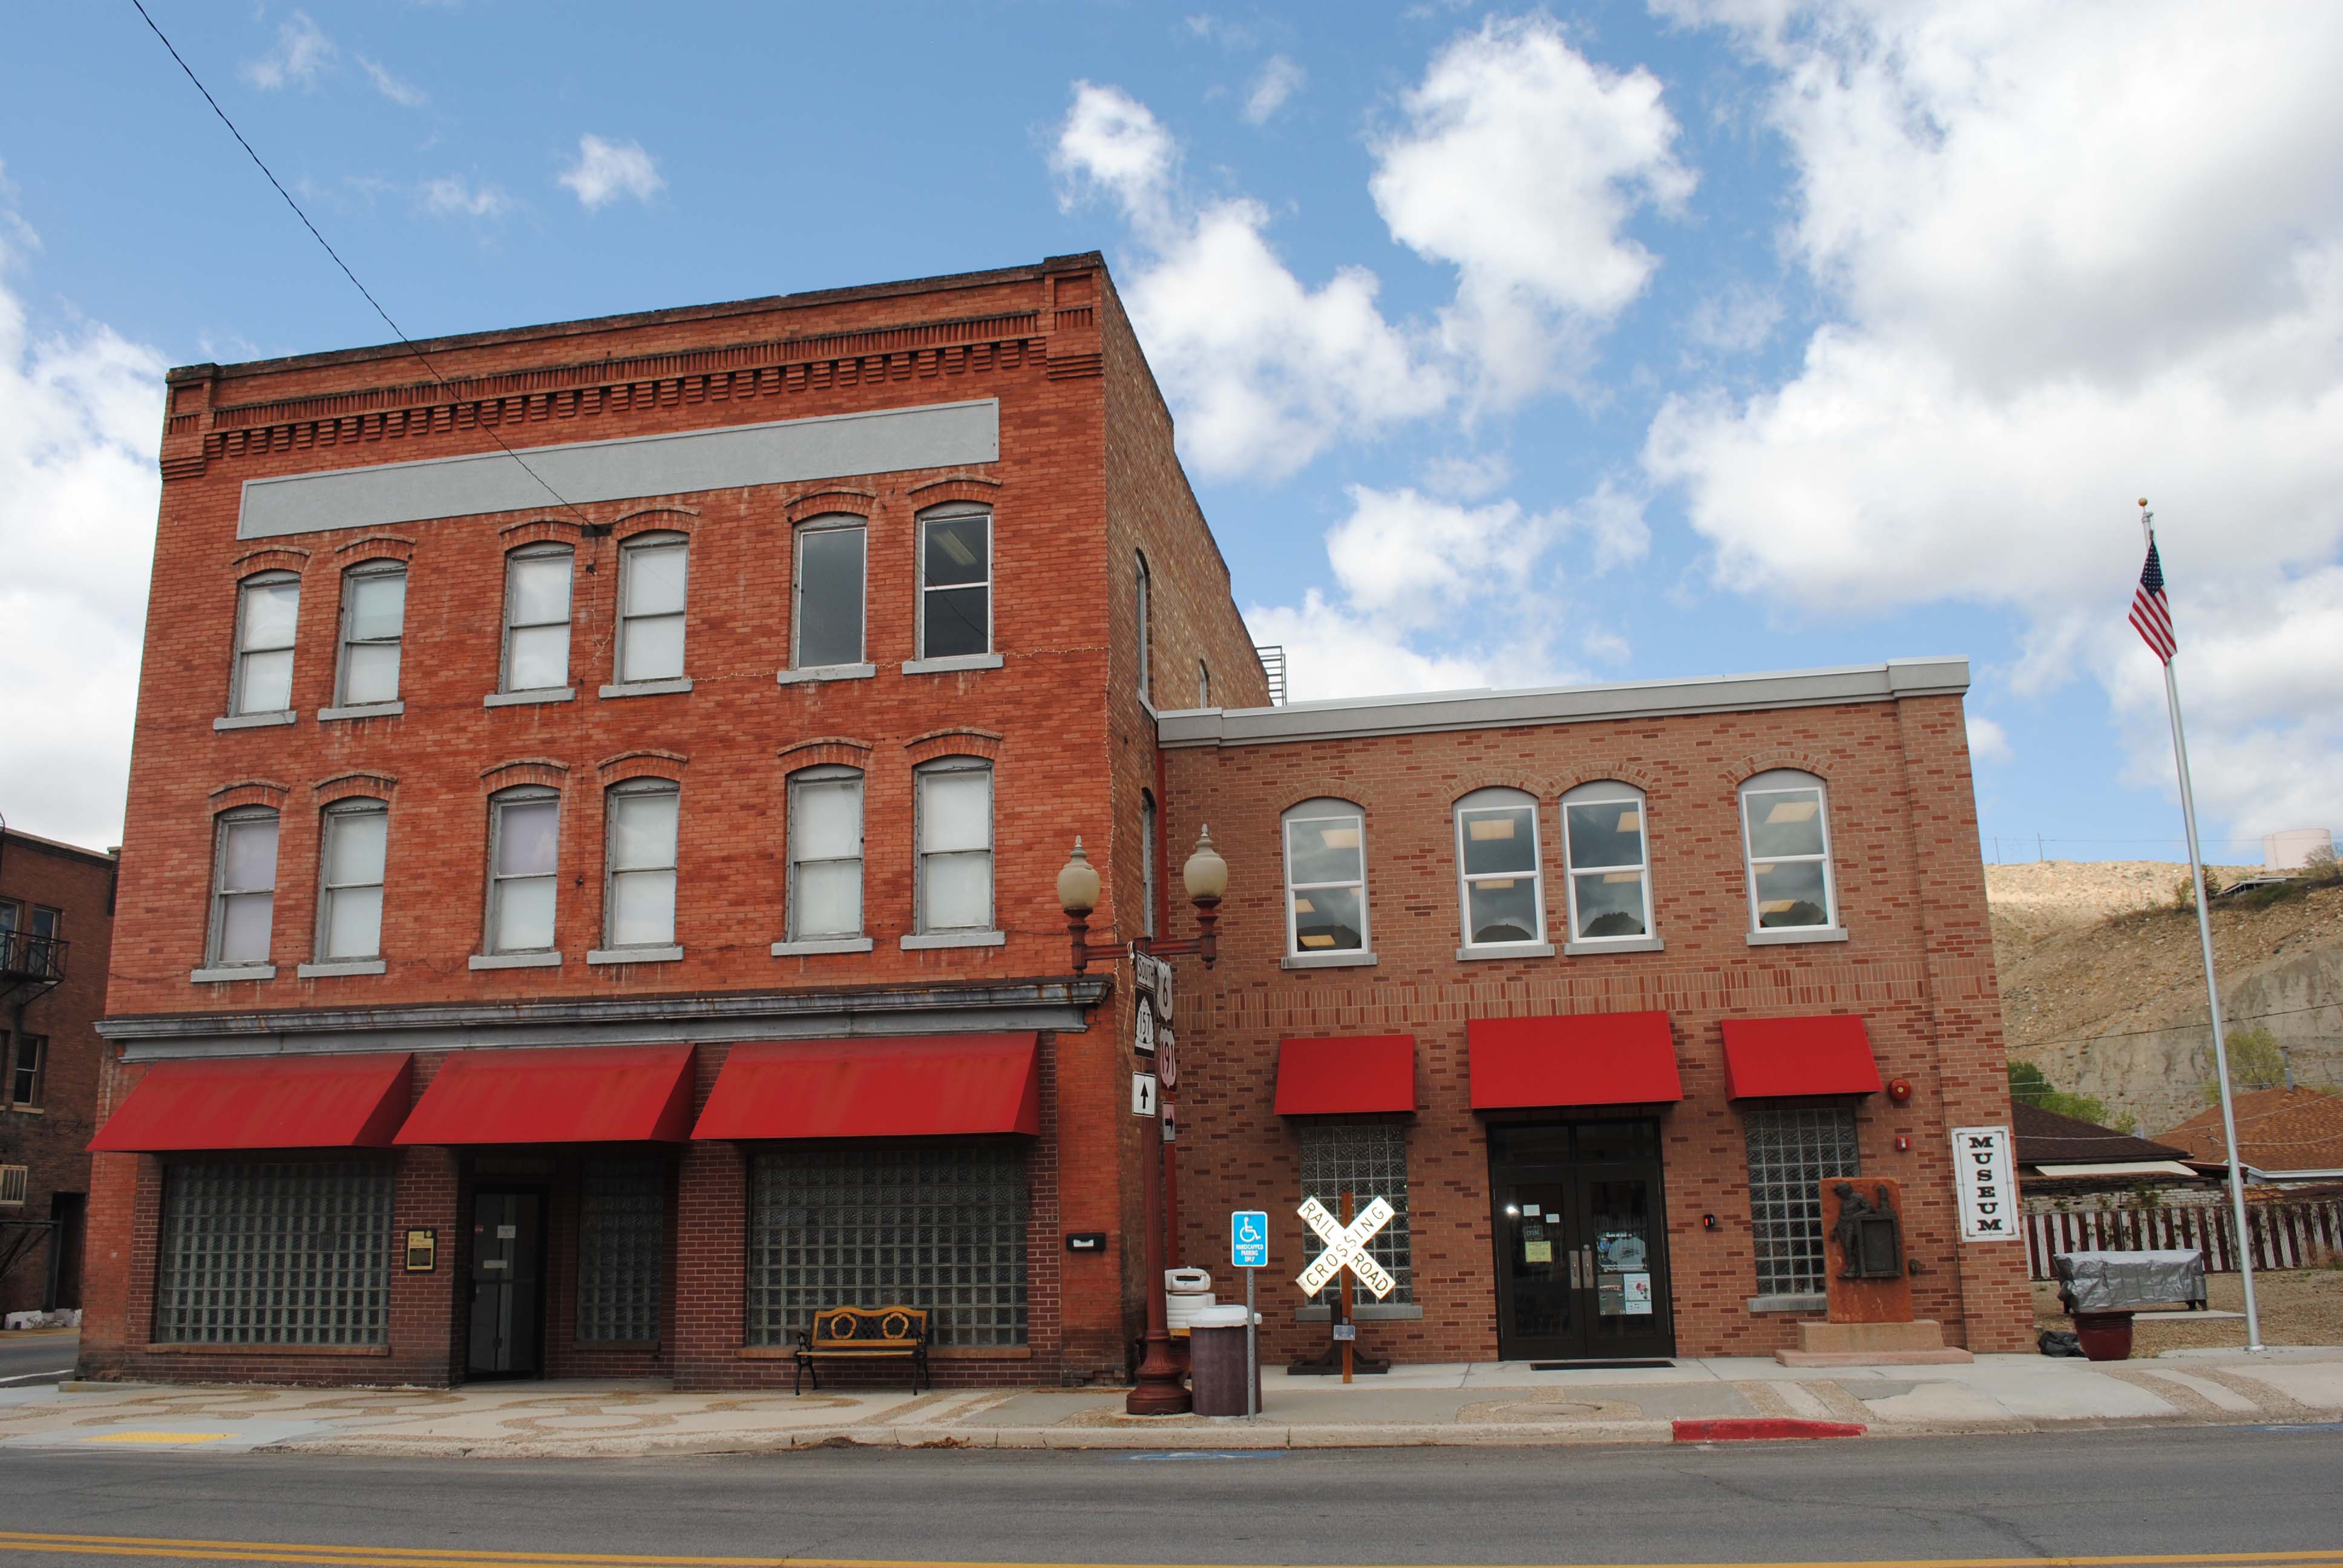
pixel 1249 1239
pixel 1347 1249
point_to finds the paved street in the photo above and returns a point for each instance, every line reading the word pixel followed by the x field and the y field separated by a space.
pixel 32 1357
pixel 2266 1494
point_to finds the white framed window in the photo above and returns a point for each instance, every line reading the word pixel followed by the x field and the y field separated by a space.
pixel 374 620
pixel 537 618
pixel 1325 878
pixel 243 888
pixel 1141 587
pixel 1148 852
pixel 1499 879
pixel 832 588
pixel 1608 860
pixel 524 856
pixel 824 854
pixel 1786 828
pixel 954 830
pixel 653 572
pixel 350 878
pixel 955 583
pixel 30 1073
pixel 267 613
pixel 639 887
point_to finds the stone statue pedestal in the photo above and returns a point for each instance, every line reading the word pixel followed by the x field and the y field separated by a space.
pixel 1870 1321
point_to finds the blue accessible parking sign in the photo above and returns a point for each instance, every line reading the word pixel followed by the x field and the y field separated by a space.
pixel 1249 1239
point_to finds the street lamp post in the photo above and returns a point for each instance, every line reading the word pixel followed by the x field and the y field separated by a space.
pixel 1158 1390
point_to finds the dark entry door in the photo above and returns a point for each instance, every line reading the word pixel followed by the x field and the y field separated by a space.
pixel 1581 1242
pixel 507 1285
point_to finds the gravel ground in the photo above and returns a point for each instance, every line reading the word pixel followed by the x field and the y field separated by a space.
pixel 2298 1307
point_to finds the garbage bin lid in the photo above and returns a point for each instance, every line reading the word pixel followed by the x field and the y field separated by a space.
pixel 1218 1318
pixel 1186 1282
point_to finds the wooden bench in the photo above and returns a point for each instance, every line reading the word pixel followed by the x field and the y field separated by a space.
pixel 865 1333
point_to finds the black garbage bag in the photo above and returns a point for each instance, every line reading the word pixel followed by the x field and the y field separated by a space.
pixel 2059 1342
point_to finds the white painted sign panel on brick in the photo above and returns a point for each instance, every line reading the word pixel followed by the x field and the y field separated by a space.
pixel 1985 1175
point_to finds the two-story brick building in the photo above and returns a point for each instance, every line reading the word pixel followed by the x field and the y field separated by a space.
pixel 589 899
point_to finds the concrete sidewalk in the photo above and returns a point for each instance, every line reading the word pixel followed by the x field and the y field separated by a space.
pixel 1484 1403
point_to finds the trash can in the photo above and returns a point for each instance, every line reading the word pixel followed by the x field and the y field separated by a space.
pixel 1216 1341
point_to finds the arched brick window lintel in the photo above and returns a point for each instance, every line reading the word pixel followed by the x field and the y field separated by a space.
pixel 938 743
pixel 642 764
pixel 359 781
pixel 251 792
pixel 542 770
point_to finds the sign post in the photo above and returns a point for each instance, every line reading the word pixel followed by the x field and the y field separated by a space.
pixel 1346 1256
pixel 1248 1251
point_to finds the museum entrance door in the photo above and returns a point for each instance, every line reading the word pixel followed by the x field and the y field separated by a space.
pixel 1581 1242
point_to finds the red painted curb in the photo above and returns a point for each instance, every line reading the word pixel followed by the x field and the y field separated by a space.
pixel 1749 1428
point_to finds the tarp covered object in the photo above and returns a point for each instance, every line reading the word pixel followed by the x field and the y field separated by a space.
pixel 2119 1281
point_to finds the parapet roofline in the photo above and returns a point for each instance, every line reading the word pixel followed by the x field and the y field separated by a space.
pixel 586 325
pixel 1417 713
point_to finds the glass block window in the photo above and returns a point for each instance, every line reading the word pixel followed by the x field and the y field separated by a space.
pixel 1368 1160
pixel 621 1249
pixel 1791 1151
pixel 938 1225
pixel 275 1254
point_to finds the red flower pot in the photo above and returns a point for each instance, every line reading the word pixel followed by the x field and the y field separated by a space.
pixel 2105 1336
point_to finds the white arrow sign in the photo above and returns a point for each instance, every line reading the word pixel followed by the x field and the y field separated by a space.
pixel 1347 1249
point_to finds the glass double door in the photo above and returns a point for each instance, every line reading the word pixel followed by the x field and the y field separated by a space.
pixel 1580 1242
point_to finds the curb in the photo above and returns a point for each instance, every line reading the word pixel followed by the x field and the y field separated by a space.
pixel 1763 1428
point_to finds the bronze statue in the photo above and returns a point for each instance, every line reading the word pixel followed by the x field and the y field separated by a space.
pixel 1869 1234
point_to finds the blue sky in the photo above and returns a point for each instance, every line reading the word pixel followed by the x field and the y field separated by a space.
pixel 1600 342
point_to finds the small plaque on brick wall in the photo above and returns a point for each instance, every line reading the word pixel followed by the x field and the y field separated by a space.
pixel 422 1252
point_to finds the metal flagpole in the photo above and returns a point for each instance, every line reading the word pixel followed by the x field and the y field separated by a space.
pixel 2212 986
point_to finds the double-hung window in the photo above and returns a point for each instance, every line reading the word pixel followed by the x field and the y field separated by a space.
pixel 537 618
pixel 268 612
pixel 1325 879
pixel 26 1072
pixel 955 584
pixel 955 846
pixel 1784 815
pixel 374 618
pixel 831 577
pixel 524 854
pixel 243 888
pixel 825 831
pixel 1147 852
pixel 349 897
pixel 1603 844
pixel 652 573
pixel 1500 880
pixel 1141 587
pixel 639 896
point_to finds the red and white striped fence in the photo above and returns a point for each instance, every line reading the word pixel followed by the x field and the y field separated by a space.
pixel 2284 1235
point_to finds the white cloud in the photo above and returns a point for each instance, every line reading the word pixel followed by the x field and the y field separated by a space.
pixel 1265 371
pixel 606 170
pixel 406 95
pixel 1988 742
pixel 1414 562
pixel 2074 254
pixel 1331 654
pixel 80 415
pixel 1521 163
pixel 1737 319
pixel 1279 80
pixel 302 54
pixel 450 197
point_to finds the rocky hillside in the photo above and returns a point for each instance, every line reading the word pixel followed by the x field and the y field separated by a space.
pixel 2102 987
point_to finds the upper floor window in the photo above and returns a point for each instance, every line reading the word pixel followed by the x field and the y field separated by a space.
pixel 524 856
pixel 537 618
pixel 30 1068
pixel 955 584
pixel 374 616
pixel 1501 885
pixel 1141 587
pixel 831 563
pixel 1204 684
pixel 638 902
pixel 824 854
pixel 1325 878
pixel 350 878
pixel 267 608
pixel 954 807
pixel 1610 869
pixel 651 572
pixel 46 922
pixel 1785 819
pixel 1147 851
pixel 244 887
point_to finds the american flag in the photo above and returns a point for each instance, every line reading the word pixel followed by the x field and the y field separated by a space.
pixel 2151 616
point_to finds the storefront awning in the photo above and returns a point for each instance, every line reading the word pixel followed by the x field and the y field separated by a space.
pixel 922 1087
pixel 1346 1077
pixel 261 1102
pixel 1586 1059
pixel 1767 1058
pixel 568 1094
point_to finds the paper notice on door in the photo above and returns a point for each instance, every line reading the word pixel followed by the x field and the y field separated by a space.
pixel 508 1233
pixel 492 1262
pixel 1537 1252
pixel 1638 1294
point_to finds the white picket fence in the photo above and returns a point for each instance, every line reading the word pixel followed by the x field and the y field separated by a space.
pixel 2284 1234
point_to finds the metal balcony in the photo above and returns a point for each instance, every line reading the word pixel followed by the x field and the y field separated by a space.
pixel 30 964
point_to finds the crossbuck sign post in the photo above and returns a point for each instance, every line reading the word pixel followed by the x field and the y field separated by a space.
pixel 1346 1248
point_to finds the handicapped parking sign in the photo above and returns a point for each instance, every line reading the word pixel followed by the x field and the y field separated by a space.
pixel 1249 1239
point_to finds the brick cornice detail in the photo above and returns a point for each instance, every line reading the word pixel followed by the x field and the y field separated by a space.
pixel 542 770
pixel 938 492
pixel 1758 762
pixel 836 498
pixel 376 547
pixel 358 781
pixel 269 558
pixel 648 763
pixel 251 792
pixel 825 750
pixel 938 743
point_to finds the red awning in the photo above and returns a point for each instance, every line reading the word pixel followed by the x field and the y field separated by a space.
pixel 1342 1077
pixel 571 1094
pixel 923 1087
pixel 1586 1059
pixel 1769 1057
pixel 261 1102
